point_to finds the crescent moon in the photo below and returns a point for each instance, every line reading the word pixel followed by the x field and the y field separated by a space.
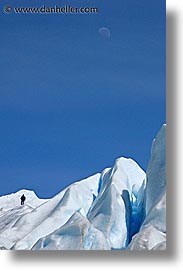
pixel 104 32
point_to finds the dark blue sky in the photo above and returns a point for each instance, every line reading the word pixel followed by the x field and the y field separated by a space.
pixel 72 101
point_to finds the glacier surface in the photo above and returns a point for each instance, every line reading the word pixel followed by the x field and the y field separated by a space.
pixel 120 208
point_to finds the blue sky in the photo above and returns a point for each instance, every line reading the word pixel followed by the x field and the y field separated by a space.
pixel 72 101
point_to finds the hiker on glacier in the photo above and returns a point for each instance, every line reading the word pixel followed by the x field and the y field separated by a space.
pixel 23 198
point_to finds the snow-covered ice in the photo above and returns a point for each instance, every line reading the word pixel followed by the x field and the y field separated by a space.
pixel 152 234
pixel 120 208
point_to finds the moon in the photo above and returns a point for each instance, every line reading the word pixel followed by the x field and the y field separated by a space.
pixel 104 32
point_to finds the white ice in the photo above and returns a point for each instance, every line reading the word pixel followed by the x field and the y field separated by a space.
pixel 119 208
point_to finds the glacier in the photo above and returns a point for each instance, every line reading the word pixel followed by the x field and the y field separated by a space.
pixel 152 234
pixel 121 208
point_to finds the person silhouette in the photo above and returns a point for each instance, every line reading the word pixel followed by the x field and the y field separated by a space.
pixel 23 198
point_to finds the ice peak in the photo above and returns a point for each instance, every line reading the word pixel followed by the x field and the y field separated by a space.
pixel 103 211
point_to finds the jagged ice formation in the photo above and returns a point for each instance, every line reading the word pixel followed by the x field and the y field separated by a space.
pixel 120 208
